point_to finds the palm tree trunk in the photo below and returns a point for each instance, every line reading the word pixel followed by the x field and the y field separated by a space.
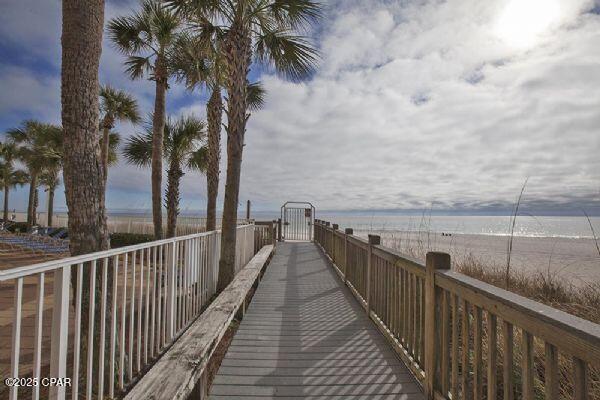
pixel 158 129
pixel 173 179
pixel 105 148
pixel 214 111
pixel 50 205
pixel 31 200
pixel 84 185
pixel 82 27
pixel 238 60
pixel 36 202
pixel 5 215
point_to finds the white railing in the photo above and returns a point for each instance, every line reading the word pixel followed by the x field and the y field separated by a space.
pixel 137 300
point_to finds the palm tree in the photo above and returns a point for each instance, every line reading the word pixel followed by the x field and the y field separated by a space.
pixel 148 38
pixel 115 105
pixel 9 176
pixel 50 146
pixel 265 31
pixel 82 27
pixel 199 62
pixel 50 180
pixel 34 139
pixel 184 148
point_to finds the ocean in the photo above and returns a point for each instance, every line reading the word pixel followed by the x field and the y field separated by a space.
pixel 526 225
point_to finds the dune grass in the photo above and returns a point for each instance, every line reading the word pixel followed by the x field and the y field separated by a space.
pixel 545 286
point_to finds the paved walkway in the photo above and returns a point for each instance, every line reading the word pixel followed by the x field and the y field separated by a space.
pixel 305 336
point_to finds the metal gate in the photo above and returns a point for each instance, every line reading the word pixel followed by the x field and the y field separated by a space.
pixel 297 219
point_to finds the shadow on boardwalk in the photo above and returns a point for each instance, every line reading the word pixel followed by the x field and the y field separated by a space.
pixel 305 336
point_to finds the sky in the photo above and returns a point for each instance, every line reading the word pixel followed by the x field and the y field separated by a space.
pixel 448 105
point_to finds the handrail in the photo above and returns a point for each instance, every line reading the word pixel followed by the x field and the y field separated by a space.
pixel 19 272
pixel 436 319
pixel 135 300
pixel 579 336
pixel 186 362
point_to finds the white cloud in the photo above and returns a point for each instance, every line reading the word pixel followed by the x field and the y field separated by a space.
pixel 414 102
pixel 423 103
pixel 38 96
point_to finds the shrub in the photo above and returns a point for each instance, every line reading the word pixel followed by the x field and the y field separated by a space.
pixel 128 239
pixel 17 227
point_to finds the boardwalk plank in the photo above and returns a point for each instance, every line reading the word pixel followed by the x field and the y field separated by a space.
pixel 305 337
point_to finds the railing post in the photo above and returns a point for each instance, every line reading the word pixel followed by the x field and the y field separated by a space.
pixel 434 261
pixel 326 239
pixel 60 330
pixel 273 230
pixel 279 229
pixel 215 259
pixel 171 291
pixel 334 227
pixel 243 252
pixel 347 232
pixel 374 240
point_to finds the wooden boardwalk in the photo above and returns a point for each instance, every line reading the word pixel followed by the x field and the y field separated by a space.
pixel 305 336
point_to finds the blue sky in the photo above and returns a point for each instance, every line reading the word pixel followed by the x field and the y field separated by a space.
pixel 415 103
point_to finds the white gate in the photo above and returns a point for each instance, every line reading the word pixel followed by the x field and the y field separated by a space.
pixel 297 220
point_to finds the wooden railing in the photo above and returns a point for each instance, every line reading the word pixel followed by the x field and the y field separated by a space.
pixel 462 337
pixel 137 301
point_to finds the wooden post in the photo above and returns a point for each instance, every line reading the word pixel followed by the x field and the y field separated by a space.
pixel 248 210
pixel 347 232
pixel 327 249
pixel 273 230
pixel 279 229
pixel 434 261
pixel 334 227
pixel 373 241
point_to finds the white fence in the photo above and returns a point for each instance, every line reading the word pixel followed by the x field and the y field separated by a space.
pixel 144 224
pixel 138 300
pixel 140 224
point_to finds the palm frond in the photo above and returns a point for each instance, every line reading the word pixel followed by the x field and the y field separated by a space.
pixel 198 160
pixel 294 13
pixel 255 96
pixel 125 32
pixel 189 61
pixel 164 22
pixel 138 149
pixel 18 135
pixel 191 9
pixel 39 145
pixel 137 66
pixel 19 177
pixel 12 177
pixel 187 132
pixel 145 35
pixel 292 55
pixel 118 104
pixel 50 178
pixel 8 151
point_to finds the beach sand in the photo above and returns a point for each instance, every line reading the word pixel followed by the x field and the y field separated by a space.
pixel 574 259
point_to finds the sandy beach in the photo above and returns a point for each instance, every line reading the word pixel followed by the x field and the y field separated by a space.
pixel 574 259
